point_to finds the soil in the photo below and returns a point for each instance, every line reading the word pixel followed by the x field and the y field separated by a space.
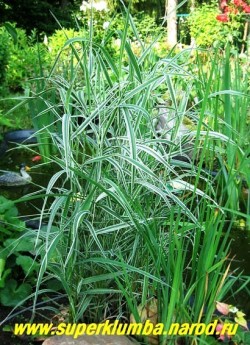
pixel 6 334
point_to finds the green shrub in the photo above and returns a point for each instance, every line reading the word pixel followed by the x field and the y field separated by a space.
pixel 27 56
pixel 56 41
pixel 24 60
pixel 207 30
pixel 4 54
pixel 55 44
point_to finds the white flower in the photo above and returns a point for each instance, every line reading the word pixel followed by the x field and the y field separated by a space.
pixel 117 42
pixel 105 25
pixel 45 40
pixel 100 5
pixel 84 6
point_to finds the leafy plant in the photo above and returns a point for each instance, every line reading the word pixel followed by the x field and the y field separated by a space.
pixel 12 294
pixel 23 61
pixel 225 108
pixel 4 54
pixel 14 247
pixel 233 317
pixel 208 31
pixel 9 219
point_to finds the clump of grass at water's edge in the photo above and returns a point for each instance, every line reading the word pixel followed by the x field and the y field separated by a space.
pixel 117 234
pixel 222 89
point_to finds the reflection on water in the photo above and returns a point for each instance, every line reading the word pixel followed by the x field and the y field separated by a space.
pixel 40 177
pixel 240 248
pixel 240 251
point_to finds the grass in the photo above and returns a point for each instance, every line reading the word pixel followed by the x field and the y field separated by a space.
pixel 222 87
pixel 127 221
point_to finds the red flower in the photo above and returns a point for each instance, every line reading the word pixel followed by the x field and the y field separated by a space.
pixel 36 158
pixel 247 9
pixel 237 2
pixel 243 4
pixel 223 17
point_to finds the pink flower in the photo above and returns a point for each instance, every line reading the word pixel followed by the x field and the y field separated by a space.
pixel 223 4
pixel 223 308
pixel 219 330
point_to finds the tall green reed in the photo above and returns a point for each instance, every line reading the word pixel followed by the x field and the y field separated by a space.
pixel 222 90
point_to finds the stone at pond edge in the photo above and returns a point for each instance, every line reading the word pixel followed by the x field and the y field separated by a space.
pixel 90 340
pixel 25 136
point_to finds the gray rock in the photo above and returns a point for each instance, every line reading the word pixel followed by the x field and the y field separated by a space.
pixel 90 340
pixel 165 123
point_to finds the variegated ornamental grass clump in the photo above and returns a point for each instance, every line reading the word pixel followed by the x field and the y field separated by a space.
pixel 127 221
